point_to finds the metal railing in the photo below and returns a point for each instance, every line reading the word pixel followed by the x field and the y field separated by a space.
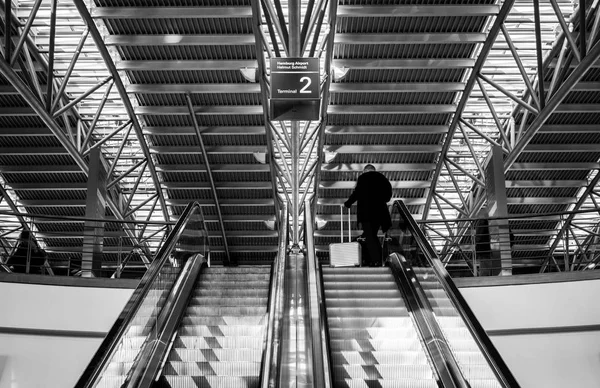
pixel 523 243
pixel 272 343
pixel 64 246
pixel 322 377
pixel 405 238
pixel 143 314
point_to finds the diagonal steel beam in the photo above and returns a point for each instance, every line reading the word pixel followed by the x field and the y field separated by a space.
pixel 333 5
pixel 261 77
pixel 118 82
pixel 213 188
pixel 485 50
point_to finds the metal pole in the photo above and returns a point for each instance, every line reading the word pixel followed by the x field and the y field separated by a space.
pixel 294 50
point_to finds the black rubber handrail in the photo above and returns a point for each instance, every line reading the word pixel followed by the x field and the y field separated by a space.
pixel 433 339
pixel 270 362
pixel 489 351
pixel 110 343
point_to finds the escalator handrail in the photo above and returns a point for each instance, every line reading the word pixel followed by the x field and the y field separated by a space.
pixel 434 341
pixel 489 351
pixel 272 340
pixel 320 334
pixel 153 354
pixel 110 343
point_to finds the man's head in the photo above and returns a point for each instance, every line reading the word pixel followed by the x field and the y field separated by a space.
pixel 369 167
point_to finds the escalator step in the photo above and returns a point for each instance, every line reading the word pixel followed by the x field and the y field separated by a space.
pixel 381 277
pixel 374 345
pixel 243 284
pixel 192 342
pixel 226 310
pixel 373 333
pixel 358 286
pixel 213 381
pixel 226 293
pixel 212 368
pixel 358 312
pixel 221 330
pixel 355 271
pixel 371 294
pixel 370 321
pixel 241 270
pixel 386 372
pixel 380 357
pixel 205 355
pixel 230 301
pixel 224 277
pixel 365 303
pixel 224 320
pixel 399 383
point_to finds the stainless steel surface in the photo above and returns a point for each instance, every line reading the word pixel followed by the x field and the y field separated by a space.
pixel 296 357
pixel 273 339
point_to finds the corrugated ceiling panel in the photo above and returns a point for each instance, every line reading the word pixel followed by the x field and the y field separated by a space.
pixel 57 211
pixel 402 51
pixel 396 193
pixel 553 157
pixel 182 53
pixel 409 24
pixel 545 192
pixel 385 158
pixel 52 194
pixel 238 210
pixel 574 118
pixel 388 139
pixel 27 160
pixel 219 177
pixel 403 75
pixel 208 120
pixel 536 209
pixel 204 99
pixel 12 101
pixel 44 177
pixel 388 119
pixel 182 77
pixel 531 224
pixel 352 176
pixel 567 138
pixel 180 26
pixel 413 2
pixel 30 141
pixel 546 175
pixel 192 140
pixel 583 97
pixel 432 97
pixel 21 122
pixel 170 3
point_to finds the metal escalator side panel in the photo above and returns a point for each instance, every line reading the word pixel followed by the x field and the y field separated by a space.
pixel 139 321
pixel 407 239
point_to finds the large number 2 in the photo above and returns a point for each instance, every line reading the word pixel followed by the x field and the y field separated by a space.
pixel 308 82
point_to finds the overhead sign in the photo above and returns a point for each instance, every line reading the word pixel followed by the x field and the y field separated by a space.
pixel 295 89
pixel 295 78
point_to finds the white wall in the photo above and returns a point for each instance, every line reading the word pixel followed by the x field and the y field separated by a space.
pixel 537 360
pixel 549 360
pixel 42 361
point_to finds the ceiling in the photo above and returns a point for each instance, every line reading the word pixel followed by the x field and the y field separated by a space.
pixel 421 89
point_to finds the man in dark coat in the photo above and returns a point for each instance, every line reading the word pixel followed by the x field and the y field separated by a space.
pixel 372 191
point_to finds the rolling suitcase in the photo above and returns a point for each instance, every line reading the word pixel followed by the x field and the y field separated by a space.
pixel 345 254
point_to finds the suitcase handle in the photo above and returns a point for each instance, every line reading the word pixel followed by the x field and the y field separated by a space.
pixel 342 225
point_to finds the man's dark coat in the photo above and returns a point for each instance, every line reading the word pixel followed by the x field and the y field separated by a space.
pixel 373 191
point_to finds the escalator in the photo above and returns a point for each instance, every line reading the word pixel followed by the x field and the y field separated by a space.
pixel 371 335
pixel 403 325
pixel 192 325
